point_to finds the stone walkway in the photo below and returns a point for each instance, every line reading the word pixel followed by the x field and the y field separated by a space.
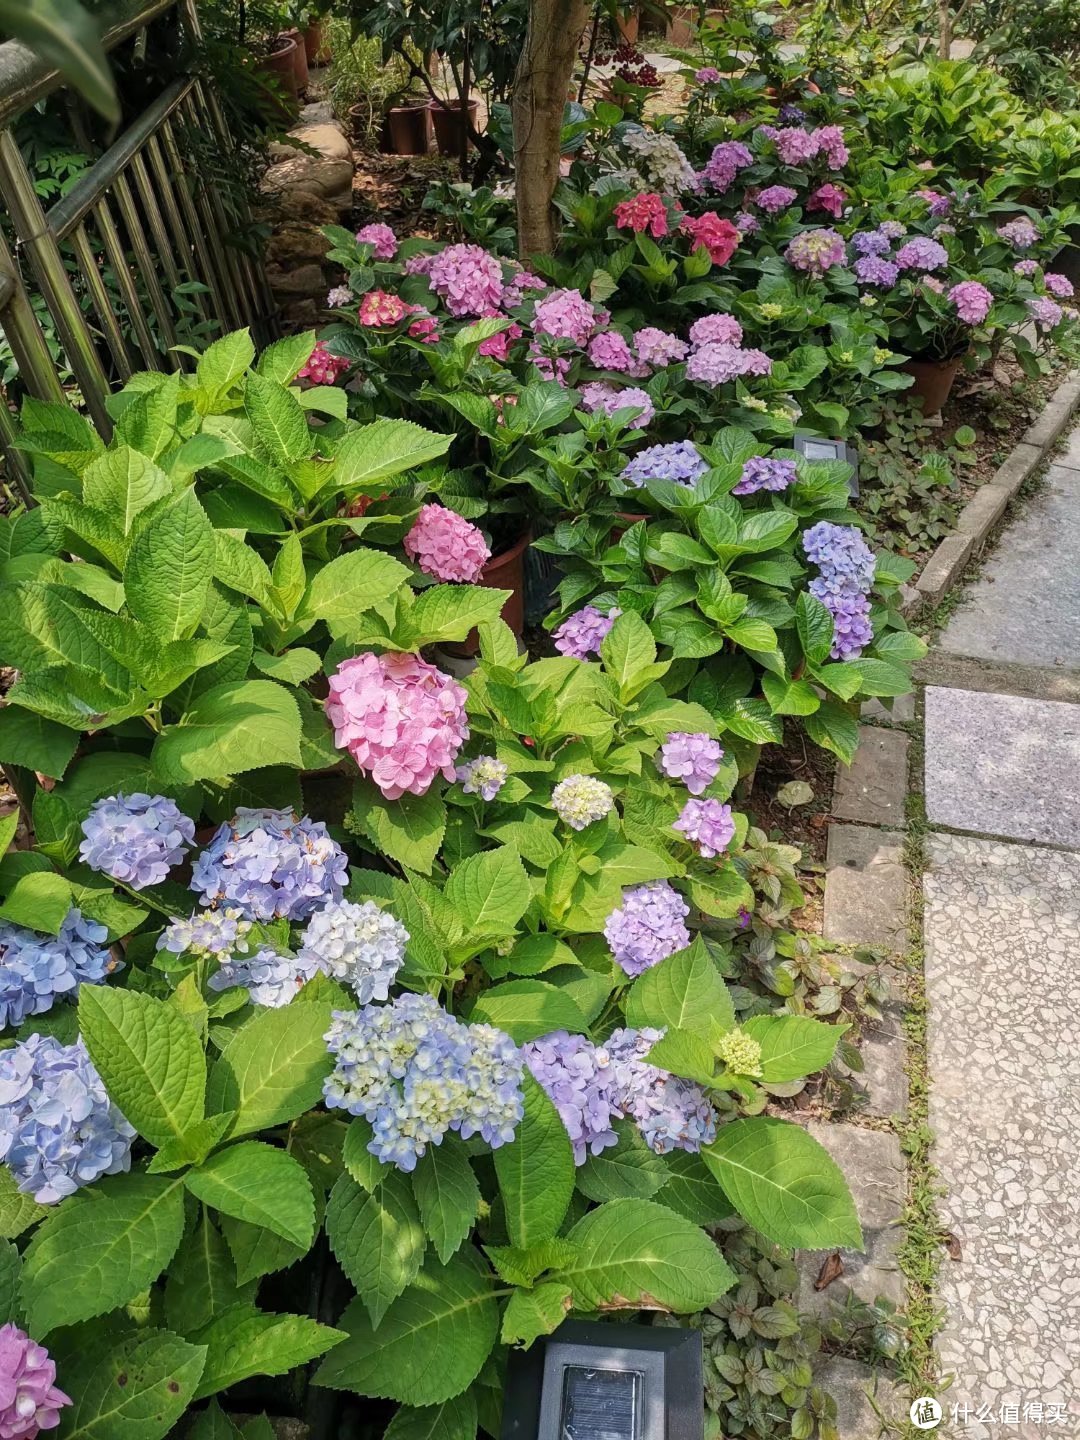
pixel 1002 940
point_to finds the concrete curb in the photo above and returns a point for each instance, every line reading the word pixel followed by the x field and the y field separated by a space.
pixel 984 510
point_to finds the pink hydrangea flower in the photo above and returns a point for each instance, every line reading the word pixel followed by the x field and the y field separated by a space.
pixel 794 145
pixel 931 282
pixel 658 348
pixel 402 720
pixel 446 545
pixel 498 346
pixel 549 367
pixel 468 279
pixel 775 198
pixel 383 239
pixel 425 327
pixel 29 1399
pixel 725 162
pixel 1059 285
pixel 598 395
pixel 719 237
pixel 1045 312
pixel 609 351
pixel 939 204
pixel 322 368
pixel 716 363
pixel 1026 268
pixel 643 212
pixel 830 143
pixel 419 264
pixel 707 75
pixel 379 308
pixel 519 282
pixel 827 197
pixel 565 314
pixel 816 251
pixel 712 329
pixel 972 301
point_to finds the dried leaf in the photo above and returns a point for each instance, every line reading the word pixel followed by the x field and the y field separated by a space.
pixel 831 1270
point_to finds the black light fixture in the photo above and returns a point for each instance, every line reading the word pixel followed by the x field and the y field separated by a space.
pixel 817 447
pixel 587 1381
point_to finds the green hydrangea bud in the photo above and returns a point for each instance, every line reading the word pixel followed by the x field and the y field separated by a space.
pixel 741 1053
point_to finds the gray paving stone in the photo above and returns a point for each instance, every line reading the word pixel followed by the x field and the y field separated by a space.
pixel 944 568
pixel 872 788
pixel 1002 931
pixel 901 713
pixel 1003 765
pixel 1025 606
pixel 1056 414
pixel 864 1400
pixel 874 1168
pixel 865 887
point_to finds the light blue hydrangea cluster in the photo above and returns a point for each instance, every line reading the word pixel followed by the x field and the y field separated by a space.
pixel 270 865
pixel 415 1072
pixel 671 1113
pixel 269 978
pixel 58 1128
pixel 36 968
pixel 680 461
pixel 360 944
pixel 847 568
pixel 206 933
pixel 136 839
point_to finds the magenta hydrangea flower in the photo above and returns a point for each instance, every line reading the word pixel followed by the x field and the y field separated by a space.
pixel 707 75
pixel 725 162
pixel 322 368
pixel 566 314
pixel 580 635
pixel 598 395
pixel 446 545
pixel 647 927
pixel 829 198
pixel 922 253
pixel 658 348
pixel 972 301
pixel 830 144
pixel 775 198
pixel 794 145
pixel 402 720
pixel 722 329
pixel 29 1398
pixel 938 204
pixel 692 757
pixel 1059 285
pixel 708 825
pixel 498 345
pixel 520 281
pixel 1020 233
pixel 548 367
pixel 876 270
pixel 644 212
pixel 610 351
pixel 468 279
pixel 816 251
pixel 383 239
pixel 712 233
pixel 1045 312
pixel 763 473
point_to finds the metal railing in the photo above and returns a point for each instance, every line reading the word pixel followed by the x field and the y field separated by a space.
pixel 110 256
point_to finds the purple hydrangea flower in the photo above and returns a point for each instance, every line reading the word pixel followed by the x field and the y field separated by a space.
pixel 708 825
pixel 269 978
pixel 658 348
pixel 876 270
pixel 716 330
pixel 972 301
pixel 58 1128
pixel 580 800
pixel 1026 268
pixel 469 280
pixel 485 776
pixel 1020 233
pixel 707 75
pixel 598 395
pixel 938 204
pixel 762 473
pixel 647 927
pixel 775 198
pixel 415 1072
pixel 922 253
pixel 892 229
pixel 136 839
pixel 581 633
pixel 29 1399
pixel 580 1081
pixel 716 363
pixel 847 569
pixel 816 251
pixel 692 757
pixel 725 162
pixel 360 944
pixel 680 461
pixel 671 1113
pixel 270 865
pixel 747 224
pixel 35 969
pixel 794 145
pixel 790 115
pixel 610 351
pixel 206 933
pixel 870 242
pixel 381 238
pixel 1059 285
pixel 1045 312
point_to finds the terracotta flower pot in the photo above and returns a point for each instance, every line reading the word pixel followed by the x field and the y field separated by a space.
pixel 682 25
pixel 409 129
pixel 315 46
pixel 279 66
pixel 933 381
pixel 299 59
pixel 628 25
pixel 505 571
pixel 450 126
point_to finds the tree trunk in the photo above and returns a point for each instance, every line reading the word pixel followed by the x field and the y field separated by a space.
pixel 945 29
pixel 540 91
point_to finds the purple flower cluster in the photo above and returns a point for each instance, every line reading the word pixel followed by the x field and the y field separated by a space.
pixel 647 927
pixel 136 839
pixel 468 279
pixel 1059 285
pixel 707 825
pixel 580 1081
pixel 775 198
pixel 717 363
pixel 29 1399
pixel 725 162
pixel 671 1113
pixel 680 461
pixel 610 351
pixel 847 566
pixel 972 301
pixel 763 473
pixel 1045 312
pixel 599 395
pixel 58 1128
pixel 485 776
pixel 381 238
pixel 658 348
pixel 269 978
pixel 580 635
pixel 796 146
pixel 815 251
pixel 716 330
pixel 870 242
pixel 922 253
pixel 360 944
pixel 692 757
pixel 1020 233
pixel 206 933
pixel 876 270
pixel 269 865
pixel 36 968
pixel 416 1072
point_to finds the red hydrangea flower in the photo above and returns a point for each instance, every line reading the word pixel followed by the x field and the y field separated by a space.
pixel 719 237
pixel 643 212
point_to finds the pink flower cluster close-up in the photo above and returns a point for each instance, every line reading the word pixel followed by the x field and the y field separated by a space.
pixel 446 545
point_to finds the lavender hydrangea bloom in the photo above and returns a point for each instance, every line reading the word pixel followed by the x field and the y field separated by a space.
pixel 270 865
pixel 847 568
pixel 269 978
pixel 1045 312
pixel 671 1113
pixel 775 198
pixel 875 270
pixel 58 1128
pixel 716 363
pixel 206 933
pixel 852 630
pixel 414 1072
pixel 647 927
pixel 870 242
pixel 716 329
pixel 922 253
pixel 763 473
pixel 580 1081
pixel 892 229
pixel 485 776
pixel 1059 285
pixel 658 348
pixel 841 551
pixel 29 1399
pixel 1020 233
pixel 136 839
pixel 816 251
pixel 360 944
pixel 599 395
pixel 725 162
pixel 680 461
pixel 35 969
pixel 707 825
pixel 692 757
pixel 579 800
pixel 581 634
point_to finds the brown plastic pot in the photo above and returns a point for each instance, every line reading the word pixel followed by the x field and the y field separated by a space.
pixel 315 46
pixel 280 65
pixel 408 129
pixel 933 381
pixel 451 130
pixel 505 571
pixel 299 58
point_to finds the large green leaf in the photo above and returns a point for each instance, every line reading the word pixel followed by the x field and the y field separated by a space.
pixel 261 1185
pixel 223 363
pixel 101 1249
pixel 277 420
pixel 122 483
pixel 449 612
pixel 431 1343
pixel 36 743
pixel 692 1190
pixel 340 591
pixel 230 729
pixel 490 892
pixel 201 1283
pixel 18 1211
pixel 793 1045
pixel 636 1254
pixel 532 1313
pixel 130 1387
pixel 527 1009
pixel 67 37
pixel 454 1419
pixel 410 830
pixel 446 1195
pixel 627 1170
pixel 10 1283
pixel 536 1170
pixel 383 449
pixel 684 991
pixel 245 1342
pixel 149 1057
pixel 784 1183
pixel 169 569
pixel 273 1068
pixel 377 1237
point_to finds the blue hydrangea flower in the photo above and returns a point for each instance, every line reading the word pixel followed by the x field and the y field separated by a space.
pixel 360 944
pixel 35 968
pixel 206 933
pixel 416 1072
pixel 847 569
pixel 671 1113
pixel 270 865
pixel 762 472
pixel 270 979
pixel 58 1128
pixel 679 461
pixel 136 839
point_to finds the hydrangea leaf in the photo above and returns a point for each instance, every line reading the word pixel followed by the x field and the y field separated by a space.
pixel 386 448
pixel 449 612
pixel 100 1250
pixel 244 1342
pixel 536 1170
pixel 168 572
pixel 692 1190
pixel 814 627
pixel 284 360
pixel 835 729
pixel 213 1424
pixel 148 1056
pixel 223 363
pixel 32 741
pixel 260 1184
pixel 256 1251
pixel 202 1282
pixel 409 830
pixel 278 421
pixel 132 1388
pixel 532 1313
pixel 17 1210
pixel 490 892
pixel 784 1183
pixel 636 1254
pixel 228 729
pixel 10 1275
pixel 273 1068
pixel 684 991
pixel 623 1171
pixel 793 1046
pixel 121 482
pixel 39 901
pixel 343 589
pixel 430 1345
pixel 446 1195
pixel 454 1419
pixel 376 1236
pixel 527 1009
